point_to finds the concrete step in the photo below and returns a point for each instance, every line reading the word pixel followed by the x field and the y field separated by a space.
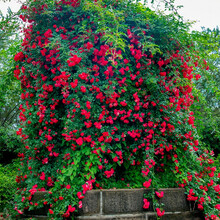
pixel 126 204
pixel 36 217
pixel 135 216
pixel 146 216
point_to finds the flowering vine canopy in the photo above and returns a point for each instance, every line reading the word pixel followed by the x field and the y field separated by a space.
pixel 107 89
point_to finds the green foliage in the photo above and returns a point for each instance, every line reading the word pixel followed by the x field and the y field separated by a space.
pixel 7 185
pixel 207 110
pixel 9 86
pixel 9 25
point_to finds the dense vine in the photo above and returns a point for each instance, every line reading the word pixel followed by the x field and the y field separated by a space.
pixel 107 89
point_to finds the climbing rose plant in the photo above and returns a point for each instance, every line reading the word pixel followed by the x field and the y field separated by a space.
pixel 107 89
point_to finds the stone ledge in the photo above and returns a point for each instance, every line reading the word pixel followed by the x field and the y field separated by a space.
pixel 38 217
pixel 91 202
pixel 122 201
pixel 174 200
pixel 136 216
pixel 131 201
pixel 146 216
pixel 117 204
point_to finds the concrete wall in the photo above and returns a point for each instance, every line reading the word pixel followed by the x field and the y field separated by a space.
pixel 127 204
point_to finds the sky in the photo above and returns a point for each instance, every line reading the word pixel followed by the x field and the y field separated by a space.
pixel 205 12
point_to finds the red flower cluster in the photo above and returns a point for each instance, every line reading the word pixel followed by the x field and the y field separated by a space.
pixel 74 60
pixel 19 56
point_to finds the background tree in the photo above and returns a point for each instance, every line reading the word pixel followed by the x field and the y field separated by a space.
pixel 207 110
pixel 9 87
pixel 9 107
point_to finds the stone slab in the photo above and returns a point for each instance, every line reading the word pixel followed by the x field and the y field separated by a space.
pixel 131 200
pixel 146 216
pixel 37 217
pixel 135 216
pixel 179 216
pixel 123 201
pixel 127 218
pixel 91 203
pixel 126 204
pixel 174 200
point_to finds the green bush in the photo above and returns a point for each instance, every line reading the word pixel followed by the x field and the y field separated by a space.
pixel 7 184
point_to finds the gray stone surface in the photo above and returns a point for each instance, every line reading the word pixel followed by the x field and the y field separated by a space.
pixel 147 216
pixel 38 217
pixel 125 204
pixel 134 216
pixel 122 201
pixel 180 216
pixel 126 218
pixel 91 203
pixel 174 200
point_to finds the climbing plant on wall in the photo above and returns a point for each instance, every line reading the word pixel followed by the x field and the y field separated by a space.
pixel 107 89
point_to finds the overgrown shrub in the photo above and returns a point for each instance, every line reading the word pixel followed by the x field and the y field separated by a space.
pixel 107 89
